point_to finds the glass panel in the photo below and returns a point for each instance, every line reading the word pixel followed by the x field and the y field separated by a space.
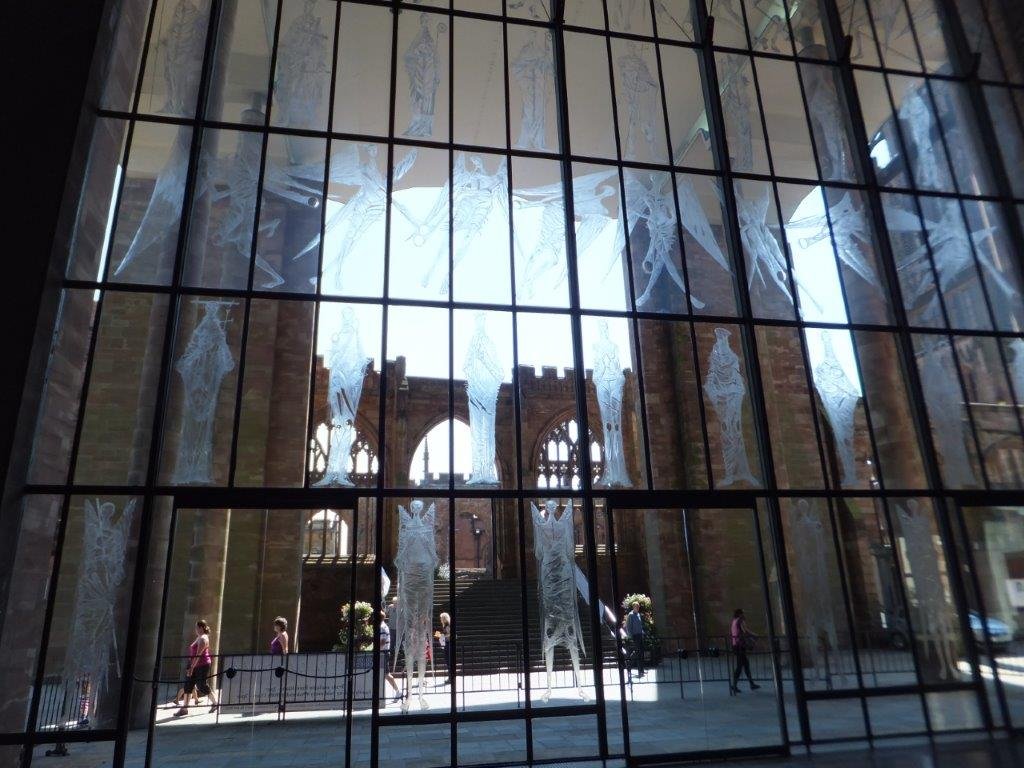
pixel 842 414
pixel 531 83
pixel 892 715
pixel 224 210
pixel 480 229
pixel 275 394
pixel 118 419
pixel 538 228
pixel 415 746
pixel 794 433
pixel 199 422
pixel 602 260
pixel 1005 106
pixel 822 629
pixel 479 90
pixel 418 362
pixel 684 100
pixel 784 115
pixel 149 211
pixel 626 16
pixel 59 404
pixel 768 277
pixel 748 150
pixel 730 421
pixel 913 262
pixel 678 451
pixel 894 34
pixel 885 145
pixel 921 132
pixel 125 55
pixel 935 624
pixel 885 389
pixel 174 63
pixel 991 406
pixel 420 233
pixel 362 71
pixel 290 214
pixel 354 223
pixel 303 73
pixel 590 106
pixel 674 21
pixel 421 100
pixel 641 114
pixel 27 578
pixel 94 217
pixel 708 257
pixel 841 719
pixel 930 35
pixel 999 270
pixel 857 24
pixel 88 636
pixel 551 441
pixel 503 741
pixel 344 447
pixel 876 600
pixel 953 711
pixel 997 548
pixel 563 737
pixel 829 122
pixel 241 68
pixel 482 358
pixel 614 402
pixel 962 138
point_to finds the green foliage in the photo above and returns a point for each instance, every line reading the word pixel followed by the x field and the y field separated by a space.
pixel 363 634
pixel 646 606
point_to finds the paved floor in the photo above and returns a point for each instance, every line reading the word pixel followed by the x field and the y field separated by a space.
pixel 663 716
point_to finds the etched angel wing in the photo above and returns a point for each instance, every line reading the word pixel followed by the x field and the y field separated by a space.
pixel 697 224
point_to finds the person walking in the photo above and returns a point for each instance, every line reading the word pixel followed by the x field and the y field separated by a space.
pixel 444 638
pixel 385 655
pixel 279 645
pixel 635 639
pixel 200 662
pixel 740 638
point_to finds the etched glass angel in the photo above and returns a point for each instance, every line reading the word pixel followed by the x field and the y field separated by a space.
pixel 726 391
pixel 936 628
pixel 609 382
pixel 347 366
pixel 827 121
pixel 840 398
pixel 484 373
pixel 812 558
pixel 475 195
pixel 206 361
pixel 533 69
pixel 849 233
pixel 916 114
pixel 555 549
pixel 92 645
pixel 589 193
pixel 356 166
pixel 415 562
pixel 302 71
pixel 423 66
pixel 654 202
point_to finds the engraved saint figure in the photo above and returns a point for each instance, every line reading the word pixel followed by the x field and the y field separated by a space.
pixel 484 373
pixel 726 391
pixel 641 91
pixel 555 548
pixel 206 361
pixel 811 554
pixel 347 366
pixel 92 646
pixel 415 561
pixel 610 381
pixel 935 628
pixel 840 398
pixel 533 69
pixel 183 46
pixel 301 70
pixel 423 66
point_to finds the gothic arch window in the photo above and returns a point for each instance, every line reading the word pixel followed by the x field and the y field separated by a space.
pixel 558 456
pixel 363 463
pixel 430 465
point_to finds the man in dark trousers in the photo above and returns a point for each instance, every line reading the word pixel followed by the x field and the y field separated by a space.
pixel 635 638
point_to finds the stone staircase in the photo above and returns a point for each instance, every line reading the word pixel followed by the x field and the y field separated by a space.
pixel 487 620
